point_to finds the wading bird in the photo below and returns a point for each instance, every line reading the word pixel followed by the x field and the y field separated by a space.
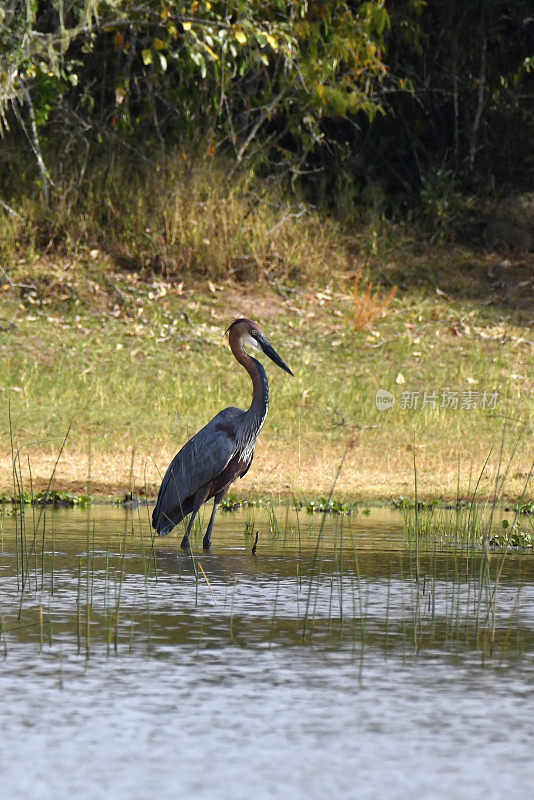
pixel 223 450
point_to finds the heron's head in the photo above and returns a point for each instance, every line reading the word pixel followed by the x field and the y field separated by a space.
pixel 250 335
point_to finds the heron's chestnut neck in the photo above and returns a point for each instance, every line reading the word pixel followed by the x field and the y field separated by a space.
pixel 260 386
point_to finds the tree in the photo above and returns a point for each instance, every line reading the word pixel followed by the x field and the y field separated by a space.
pixel 259 76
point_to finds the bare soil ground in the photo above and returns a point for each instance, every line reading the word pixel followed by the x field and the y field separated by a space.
pixel 279 470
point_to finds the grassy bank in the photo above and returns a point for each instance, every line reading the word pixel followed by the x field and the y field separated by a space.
pixel 137 378
pixel 127 347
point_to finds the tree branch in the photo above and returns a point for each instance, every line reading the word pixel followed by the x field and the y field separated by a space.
pixel 480 103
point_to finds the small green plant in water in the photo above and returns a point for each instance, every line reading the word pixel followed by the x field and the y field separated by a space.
pixel 57 499
pixel 230 503
pixel 60 499
pixel 512 536
pixel 330 506
pixel 402 503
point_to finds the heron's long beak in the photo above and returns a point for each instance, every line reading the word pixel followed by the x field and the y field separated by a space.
pixel 269 350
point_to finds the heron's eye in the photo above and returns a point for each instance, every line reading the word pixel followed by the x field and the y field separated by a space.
pixel 254 333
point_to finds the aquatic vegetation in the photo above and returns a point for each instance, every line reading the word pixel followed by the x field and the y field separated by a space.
pixel 526 508
pixel 325 505
pixel 48 498
pixel 512 536
pixel 61 499
pixel 232 502
pixel 401 503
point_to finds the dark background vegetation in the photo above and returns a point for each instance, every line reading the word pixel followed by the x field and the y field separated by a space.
pixel 410 110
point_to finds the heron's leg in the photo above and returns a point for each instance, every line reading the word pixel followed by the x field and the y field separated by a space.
pixel 206 543
pixel 199 499
pixel 185 541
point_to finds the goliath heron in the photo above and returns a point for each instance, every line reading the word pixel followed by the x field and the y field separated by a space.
pixel 223 450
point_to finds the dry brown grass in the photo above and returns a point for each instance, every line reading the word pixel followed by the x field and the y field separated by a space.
pixel 182 221
pixel 369 307
pixel 281 469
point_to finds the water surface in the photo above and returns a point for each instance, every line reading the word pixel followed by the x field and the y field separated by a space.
pixel 338 661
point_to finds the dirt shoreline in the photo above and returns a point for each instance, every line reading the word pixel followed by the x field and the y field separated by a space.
pixel 287 470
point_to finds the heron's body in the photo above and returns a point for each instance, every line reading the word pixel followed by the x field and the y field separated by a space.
pixel 222 451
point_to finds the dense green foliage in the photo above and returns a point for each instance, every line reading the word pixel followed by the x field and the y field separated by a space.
pixel 378 103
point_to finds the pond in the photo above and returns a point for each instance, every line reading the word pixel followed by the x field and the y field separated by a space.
pixel 343 659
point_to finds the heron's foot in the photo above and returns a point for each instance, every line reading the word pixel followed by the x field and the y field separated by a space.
pixel 185 543
pixel 206 543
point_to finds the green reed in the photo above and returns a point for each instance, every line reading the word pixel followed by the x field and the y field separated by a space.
pixel 316 554
pixel 26 555
pixel 152 532
pixel 440 589
pixel 3 635
pixel 78 606
pixel 107 617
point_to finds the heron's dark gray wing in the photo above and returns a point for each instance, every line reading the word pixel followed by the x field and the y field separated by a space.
pixel 199 461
